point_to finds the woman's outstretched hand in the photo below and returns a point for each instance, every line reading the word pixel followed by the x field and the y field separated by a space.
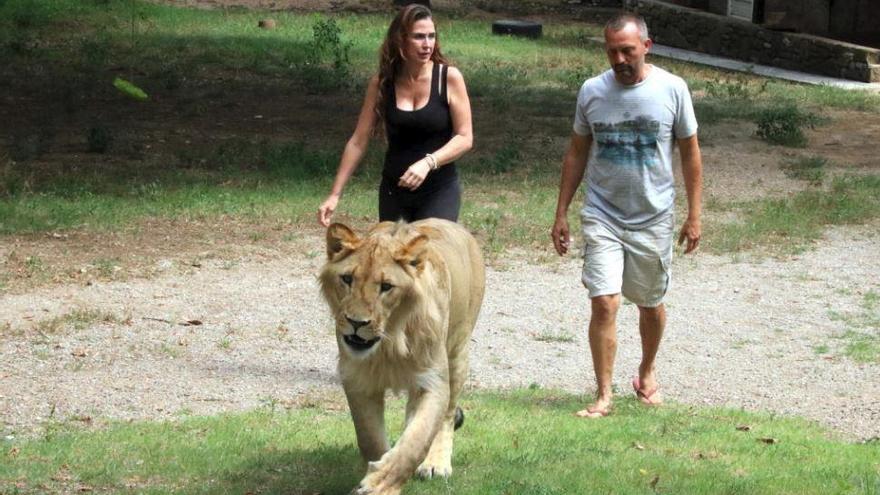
pixel 325 211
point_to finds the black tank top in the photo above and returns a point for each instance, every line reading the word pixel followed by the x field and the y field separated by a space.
pixel 412 134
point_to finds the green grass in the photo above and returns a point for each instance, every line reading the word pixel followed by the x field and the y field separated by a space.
pixel 789 225
pixel 810 169
pixel 280 185
pixel 519 442
pixel 861 340
pixel 77 319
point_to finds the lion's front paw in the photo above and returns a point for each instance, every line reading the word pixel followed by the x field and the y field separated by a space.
pixel 430 470
pixel 363 490
pixel 377 482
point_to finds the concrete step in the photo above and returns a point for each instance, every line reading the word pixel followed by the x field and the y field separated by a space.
pixel 874 73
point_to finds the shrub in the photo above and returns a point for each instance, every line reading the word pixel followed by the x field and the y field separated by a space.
pixel 784 125
pixel 328 64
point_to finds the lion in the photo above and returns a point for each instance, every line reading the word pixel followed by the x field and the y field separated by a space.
pixel 405 298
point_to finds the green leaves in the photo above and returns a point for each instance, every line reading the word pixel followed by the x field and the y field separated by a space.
pixel 129 89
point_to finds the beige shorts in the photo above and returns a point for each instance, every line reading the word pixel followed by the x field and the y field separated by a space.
pixel 635 263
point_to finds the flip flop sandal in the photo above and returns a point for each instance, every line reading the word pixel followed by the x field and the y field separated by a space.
pixel 643 395
pixel 593 412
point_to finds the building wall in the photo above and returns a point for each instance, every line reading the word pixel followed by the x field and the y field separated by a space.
pixel 857 17
pixel 805 16
pixel 742 40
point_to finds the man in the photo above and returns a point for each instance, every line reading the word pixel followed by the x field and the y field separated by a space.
pixel 627 121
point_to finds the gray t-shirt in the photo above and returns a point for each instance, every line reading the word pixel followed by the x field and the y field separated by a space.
pixel 629 171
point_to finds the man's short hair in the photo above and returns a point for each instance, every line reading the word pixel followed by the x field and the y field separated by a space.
pixel 620 21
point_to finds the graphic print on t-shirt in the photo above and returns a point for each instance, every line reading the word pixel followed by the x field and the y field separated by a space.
pixel 628 143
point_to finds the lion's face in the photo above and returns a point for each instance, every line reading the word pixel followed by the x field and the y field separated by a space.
pixel 367 283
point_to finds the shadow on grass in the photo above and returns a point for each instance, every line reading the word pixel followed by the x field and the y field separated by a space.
pixel 325 469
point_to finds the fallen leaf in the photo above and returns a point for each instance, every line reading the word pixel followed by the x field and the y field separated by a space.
pixel 743 427
pixel 189 323
pixel 638 446
pixel 13 452
pixel 643 471
pixel 79 353
pixel 768 440
pixel 654 481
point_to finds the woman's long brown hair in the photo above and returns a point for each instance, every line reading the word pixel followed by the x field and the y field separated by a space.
pixel 391 59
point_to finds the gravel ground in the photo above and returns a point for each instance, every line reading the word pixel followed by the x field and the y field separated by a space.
pixel 741 334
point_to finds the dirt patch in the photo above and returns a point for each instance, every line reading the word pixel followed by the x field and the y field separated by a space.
pixel 149 248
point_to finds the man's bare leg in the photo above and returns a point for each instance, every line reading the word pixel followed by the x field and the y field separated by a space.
pixel 603 347
pixel 652 322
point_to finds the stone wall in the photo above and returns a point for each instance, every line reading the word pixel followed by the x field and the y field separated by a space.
pixel 695 30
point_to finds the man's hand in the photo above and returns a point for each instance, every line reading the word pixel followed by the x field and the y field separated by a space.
pixel 692 232
pixel 414 175
pixel 560 235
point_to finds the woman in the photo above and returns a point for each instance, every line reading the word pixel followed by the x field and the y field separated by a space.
pixel 424 106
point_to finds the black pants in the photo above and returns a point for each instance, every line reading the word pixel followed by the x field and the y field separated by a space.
pixel 396 203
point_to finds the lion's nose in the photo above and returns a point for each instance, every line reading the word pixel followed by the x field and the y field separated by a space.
pixel 355 324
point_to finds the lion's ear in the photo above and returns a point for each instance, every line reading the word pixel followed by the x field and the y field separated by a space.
pixel 414 252
pixel 341 241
